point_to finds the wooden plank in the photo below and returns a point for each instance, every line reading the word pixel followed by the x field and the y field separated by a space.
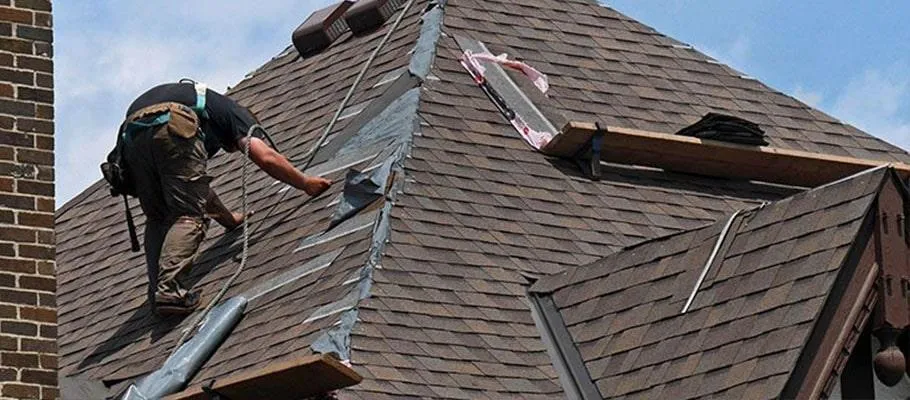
pixel 714 158
pixel 567 145
pixel 289 380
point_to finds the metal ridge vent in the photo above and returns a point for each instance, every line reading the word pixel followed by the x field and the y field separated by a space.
pixel 367 15
pixel 320 29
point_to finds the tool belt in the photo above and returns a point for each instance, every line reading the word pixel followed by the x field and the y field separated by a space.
pixel 181 120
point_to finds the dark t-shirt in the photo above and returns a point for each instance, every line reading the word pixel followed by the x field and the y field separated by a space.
pixel 227 121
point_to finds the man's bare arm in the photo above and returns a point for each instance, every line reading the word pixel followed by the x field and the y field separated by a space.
pixel 278 167
pixel 217 211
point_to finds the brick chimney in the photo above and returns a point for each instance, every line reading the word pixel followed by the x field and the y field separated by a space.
pixel 28 317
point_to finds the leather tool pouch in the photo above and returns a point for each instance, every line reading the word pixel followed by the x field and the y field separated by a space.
pixel 181 120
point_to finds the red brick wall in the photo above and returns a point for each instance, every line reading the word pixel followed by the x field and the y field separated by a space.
pixel 28 318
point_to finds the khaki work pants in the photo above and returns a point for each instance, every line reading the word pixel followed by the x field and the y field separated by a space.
pixel 169 171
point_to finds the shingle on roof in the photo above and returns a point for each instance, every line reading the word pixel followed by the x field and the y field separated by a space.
pixel 751 315
pixel 478 210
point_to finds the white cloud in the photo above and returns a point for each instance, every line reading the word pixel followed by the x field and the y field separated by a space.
pixel 735 55
pixel 810 97
pixel 110 51
pixel 878 101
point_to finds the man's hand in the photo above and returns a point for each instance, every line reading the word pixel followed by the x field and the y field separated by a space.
pixel 224 217
pixel 314 185
pixel 231 220
pixel 235 221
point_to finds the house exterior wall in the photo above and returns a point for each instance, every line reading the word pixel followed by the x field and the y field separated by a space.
pixel 28 318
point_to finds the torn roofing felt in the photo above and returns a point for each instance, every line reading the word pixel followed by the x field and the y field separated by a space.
pixel 361 189
pixel 752 314
pixel 476 210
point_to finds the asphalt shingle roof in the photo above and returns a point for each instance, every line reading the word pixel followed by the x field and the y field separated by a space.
pixel 751 316
pixel 475 211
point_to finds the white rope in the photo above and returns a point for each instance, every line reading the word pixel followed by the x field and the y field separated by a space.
pixel 200 317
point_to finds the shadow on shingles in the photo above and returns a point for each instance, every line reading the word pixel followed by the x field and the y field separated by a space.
pixel 645 178
pixel 143 321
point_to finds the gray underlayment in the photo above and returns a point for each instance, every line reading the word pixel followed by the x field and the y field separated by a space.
pixel 181 366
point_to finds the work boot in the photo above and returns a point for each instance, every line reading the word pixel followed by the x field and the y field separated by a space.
pixel 172 304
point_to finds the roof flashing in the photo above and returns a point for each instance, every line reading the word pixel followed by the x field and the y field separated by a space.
pixel 320 29
pixel 569 365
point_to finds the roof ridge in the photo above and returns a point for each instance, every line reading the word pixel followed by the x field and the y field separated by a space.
pixel 398 119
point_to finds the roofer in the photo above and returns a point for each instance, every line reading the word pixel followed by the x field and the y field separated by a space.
pixel 169 133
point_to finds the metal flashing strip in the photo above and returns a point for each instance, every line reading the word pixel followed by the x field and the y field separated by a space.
pixel 704 272
pixel 338 164
pixel 337 340
pixel 386 127
pixel 334 145
pixel 391 126
pixel 847 178
pixel 315 265
pixel 390 76
pixel 573 374
pixel 353 111
pixel 349 302
pixel 326 237
pixel 360 190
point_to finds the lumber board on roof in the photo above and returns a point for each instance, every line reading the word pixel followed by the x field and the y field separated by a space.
pixel 713 158
pixel 289 380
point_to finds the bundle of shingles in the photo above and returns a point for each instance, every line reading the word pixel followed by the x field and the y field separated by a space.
pixel 726 128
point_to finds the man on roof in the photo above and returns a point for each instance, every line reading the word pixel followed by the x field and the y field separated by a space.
pixel 169 133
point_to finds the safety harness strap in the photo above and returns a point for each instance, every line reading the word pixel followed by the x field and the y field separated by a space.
pixel 199 108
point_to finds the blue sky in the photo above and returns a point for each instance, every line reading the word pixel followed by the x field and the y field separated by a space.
pixel 851 59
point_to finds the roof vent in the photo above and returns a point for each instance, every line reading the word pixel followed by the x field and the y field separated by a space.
pixel 366 15
pixel 321 29
pixel 726 128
